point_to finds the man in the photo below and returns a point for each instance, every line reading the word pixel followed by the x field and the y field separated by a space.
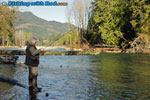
pixel 32 60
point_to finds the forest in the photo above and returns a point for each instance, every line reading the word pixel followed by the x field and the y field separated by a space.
pixel 125 23
pixel 8 34
pixel 121 23
pixel 6 26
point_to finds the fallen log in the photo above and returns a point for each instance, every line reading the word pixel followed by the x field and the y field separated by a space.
pixel 11 81
pixel 8 59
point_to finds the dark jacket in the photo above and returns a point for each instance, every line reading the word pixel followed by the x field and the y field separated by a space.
pixel 32 56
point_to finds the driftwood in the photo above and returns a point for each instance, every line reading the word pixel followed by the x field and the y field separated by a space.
pixel 140 45
pixel 8 59
pixel 11 81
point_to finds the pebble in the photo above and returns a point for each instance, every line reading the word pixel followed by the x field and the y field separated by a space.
pixel 47 94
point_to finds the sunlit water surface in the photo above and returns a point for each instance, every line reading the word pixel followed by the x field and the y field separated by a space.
pixel 102 77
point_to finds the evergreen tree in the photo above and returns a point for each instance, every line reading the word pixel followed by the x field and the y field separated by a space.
pixel 141 16
pixel 111 21
pixel 6 25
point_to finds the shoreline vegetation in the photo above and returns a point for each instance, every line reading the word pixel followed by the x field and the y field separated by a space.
pixel 15 50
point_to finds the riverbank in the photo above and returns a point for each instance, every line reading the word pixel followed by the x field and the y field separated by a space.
pixel 52 50
pixel 19 52
pixel 7 50
pixel 24 47
pixel 49 50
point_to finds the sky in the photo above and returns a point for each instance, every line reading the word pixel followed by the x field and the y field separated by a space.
pixel 49 13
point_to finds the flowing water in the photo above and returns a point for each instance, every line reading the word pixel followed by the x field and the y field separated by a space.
pixel 102 77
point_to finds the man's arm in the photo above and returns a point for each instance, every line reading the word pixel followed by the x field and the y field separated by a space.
pixel 34 51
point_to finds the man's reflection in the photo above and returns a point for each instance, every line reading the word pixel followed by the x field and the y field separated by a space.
pixel 33 95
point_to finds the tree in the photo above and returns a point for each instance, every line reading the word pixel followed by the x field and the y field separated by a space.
pixel 109 23
pixel 6 26
pixel 141 16
pixel 21 38
pixel 69 16
pixel 107 17
pixel 80 13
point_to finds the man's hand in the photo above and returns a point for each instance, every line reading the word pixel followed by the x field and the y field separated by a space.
pixel 42 49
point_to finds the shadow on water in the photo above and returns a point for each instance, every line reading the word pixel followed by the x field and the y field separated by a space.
pixel 102 77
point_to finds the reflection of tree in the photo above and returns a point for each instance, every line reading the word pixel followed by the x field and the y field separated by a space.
pixel 7 70
pixel 121 76
pixel 33 96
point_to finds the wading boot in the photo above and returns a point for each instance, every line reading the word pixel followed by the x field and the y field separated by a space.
pixel 37 89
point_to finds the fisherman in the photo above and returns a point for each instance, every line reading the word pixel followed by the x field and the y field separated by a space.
pixel 32 60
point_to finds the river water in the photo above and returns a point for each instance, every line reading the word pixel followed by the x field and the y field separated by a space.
pixel 101 77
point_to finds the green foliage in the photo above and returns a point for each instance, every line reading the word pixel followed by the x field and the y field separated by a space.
pixel 92 35
pixel 107 18
pixel 6 25
pixel 118 22
pixel 141 16
pixel 69 39
pixel 53 38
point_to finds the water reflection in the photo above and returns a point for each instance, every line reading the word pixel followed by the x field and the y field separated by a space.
pixel 8 70
pixel 123 76
pixel 103 77
pixel 32 95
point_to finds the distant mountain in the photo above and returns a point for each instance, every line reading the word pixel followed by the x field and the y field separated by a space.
pixel 28 22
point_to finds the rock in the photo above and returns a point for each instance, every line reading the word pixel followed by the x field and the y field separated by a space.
pixel 47 94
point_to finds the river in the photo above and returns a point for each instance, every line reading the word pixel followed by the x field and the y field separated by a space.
pixel 103 77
